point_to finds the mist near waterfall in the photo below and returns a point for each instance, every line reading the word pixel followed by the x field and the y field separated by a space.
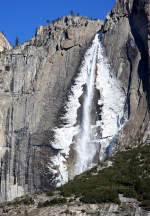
pixel 84 139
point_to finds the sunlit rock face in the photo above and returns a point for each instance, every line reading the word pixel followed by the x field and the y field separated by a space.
pixel 66 102
pixel 34 81
pixel 4 44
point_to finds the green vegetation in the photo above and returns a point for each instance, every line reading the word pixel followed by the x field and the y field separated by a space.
pixel 26 200
pixel 49 193
pixel 129 175
pixel 52 202
pixel 86 23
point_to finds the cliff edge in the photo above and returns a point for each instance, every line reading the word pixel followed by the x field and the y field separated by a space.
pixel 4 44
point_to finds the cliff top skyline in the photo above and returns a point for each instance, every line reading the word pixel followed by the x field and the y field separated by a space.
pixel 21 18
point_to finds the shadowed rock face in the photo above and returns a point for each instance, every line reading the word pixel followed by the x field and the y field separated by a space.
pixel 34 80
pixel 126 39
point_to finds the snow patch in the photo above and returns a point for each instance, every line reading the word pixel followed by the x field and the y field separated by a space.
pixel 112 100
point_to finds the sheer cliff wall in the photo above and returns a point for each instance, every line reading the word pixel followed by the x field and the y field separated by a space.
pixel 126 40
pixel 34 80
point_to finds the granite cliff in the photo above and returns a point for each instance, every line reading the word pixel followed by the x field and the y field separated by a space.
pixel 35 78
pixel 126 40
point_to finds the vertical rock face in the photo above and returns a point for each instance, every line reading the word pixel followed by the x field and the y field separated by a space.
pixel 126 39
pixel 34 80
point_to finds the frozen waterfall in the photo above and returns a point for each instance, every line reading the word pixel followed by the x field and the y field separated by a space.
pixel 84 139
pixel 83 146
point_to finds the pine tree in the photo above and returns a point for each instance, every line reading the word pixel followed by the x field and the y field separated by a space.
pixel 48 21
pixel 17 41
pixel 71 13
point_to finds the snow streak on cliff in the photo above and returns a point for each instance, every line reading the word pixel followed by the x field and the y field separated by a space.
pixel 85 138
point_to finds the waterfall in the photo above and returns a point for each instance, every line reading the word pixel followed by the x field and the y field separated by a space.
pixel 81 144
pixel 85 151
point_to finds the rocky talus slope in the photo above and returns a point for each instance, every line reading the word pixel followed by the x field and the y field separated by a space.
pixel 34 80
pixel 126 40
pixel 129 206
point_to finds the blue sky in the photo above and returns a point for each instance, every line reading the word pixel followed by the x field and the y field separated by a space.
pixel 20 18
